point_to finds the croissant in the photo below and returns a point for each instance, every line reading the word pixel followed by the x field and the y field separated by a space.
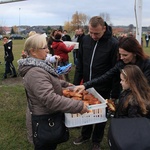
pixel 85 96
pixel 91 102
pixel 88 97
pixel 74 94
pixel 76 98
pixel 85 92
pixel 111 104
pixel 66 93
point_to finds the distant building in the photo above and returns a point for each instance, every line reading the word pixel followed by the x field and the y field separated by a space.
pixel 6 30
pixel 37 29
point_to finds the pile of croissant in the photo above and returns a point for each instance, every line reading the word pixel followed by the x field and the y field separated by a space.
pixel 84 96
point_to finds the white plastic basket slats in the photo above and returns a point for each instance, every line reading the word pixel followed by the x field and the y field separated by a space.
pixel 97 115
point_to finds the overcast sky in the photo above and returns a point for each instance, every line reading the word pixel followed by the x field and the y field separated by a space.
pixel 56 12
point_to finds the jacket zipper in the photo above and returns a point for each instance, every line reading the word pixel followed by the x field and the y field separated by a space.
pixel 90 77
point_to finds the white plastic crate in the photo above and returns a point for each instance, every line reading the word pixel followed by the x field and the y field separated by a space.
pixel 97 115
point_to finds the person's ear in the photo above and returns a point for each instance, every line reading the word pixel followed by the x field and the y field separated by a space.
pixel 104 28
pixel 32 52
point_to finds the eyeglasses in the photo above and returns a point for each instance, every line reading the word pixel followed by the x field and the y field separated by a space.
pixel 43 48
pixel 124 72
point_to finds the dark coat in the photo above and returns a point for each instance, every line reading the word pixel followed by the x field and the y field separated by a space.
pixel 8 54
pixel 132 110
pixel 147 37
pixel 66 38
pixel 144 65
pixel 79 39
pixel 94 63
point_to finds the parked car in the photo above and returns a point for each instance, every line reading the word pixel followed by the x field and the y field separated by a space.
pixel 17 36
pixel 1 37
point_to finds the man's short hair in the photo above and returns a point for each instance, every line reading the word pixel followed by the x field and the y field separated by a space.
pixel 5 36
pixel 96 20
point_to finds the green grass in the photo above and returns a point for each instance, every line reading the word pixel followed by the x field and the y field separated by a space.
pixel 13 107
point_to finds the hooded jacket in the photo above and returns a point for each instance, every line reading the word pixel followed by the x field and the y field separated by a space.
pixel 95 58
pixel 61 50
pixel 8 51
pixel 45 89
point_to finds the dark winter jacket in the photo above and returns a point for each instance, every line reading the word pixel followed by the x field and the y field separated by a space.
pixel 144 65
pixel 66 37
pixel 131 111
pixel 79 39
pixel 147 37
pixel 94 62
pixel 8 51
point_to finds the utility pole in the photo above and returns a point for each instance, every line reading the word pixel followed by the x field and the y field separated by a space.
pixel 138 17
pixel 19 21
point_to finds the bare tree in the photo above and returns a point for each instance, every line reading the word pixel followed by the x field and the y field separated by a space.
pixel 83 19
pixel 106 17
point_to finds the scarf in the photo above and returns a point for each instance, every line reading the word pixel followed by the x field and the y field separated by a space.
pixel 30 61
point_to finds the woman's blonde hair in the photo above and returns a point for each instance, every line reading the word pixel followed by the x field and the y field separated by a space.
pixel 35 42
pixel 31 33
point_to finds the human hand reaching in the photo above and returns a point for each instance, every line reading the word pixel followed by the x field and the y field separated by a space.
pixel 79 88
pixel 57 57
pixel 110 104
pixel 72 46
pixel 85 109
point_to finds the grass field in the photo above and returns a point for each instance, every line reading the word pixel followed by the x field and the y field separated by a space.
pixel 13 106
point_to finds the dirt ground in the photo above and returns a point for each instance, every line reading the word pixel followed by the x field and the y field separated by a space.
pixel 12 81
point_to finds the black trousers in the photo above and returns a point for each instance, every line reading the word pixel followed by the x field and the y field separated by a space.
pixel 9 68
pixel 45 147
pixel 147 42
pixel 95 131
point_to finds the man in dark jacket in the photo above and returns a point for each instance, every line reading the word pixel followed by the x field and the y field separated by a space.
pixel 79 40
pixel 147 38
pixel 97 54
pixel 65 36
pixel 8 56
